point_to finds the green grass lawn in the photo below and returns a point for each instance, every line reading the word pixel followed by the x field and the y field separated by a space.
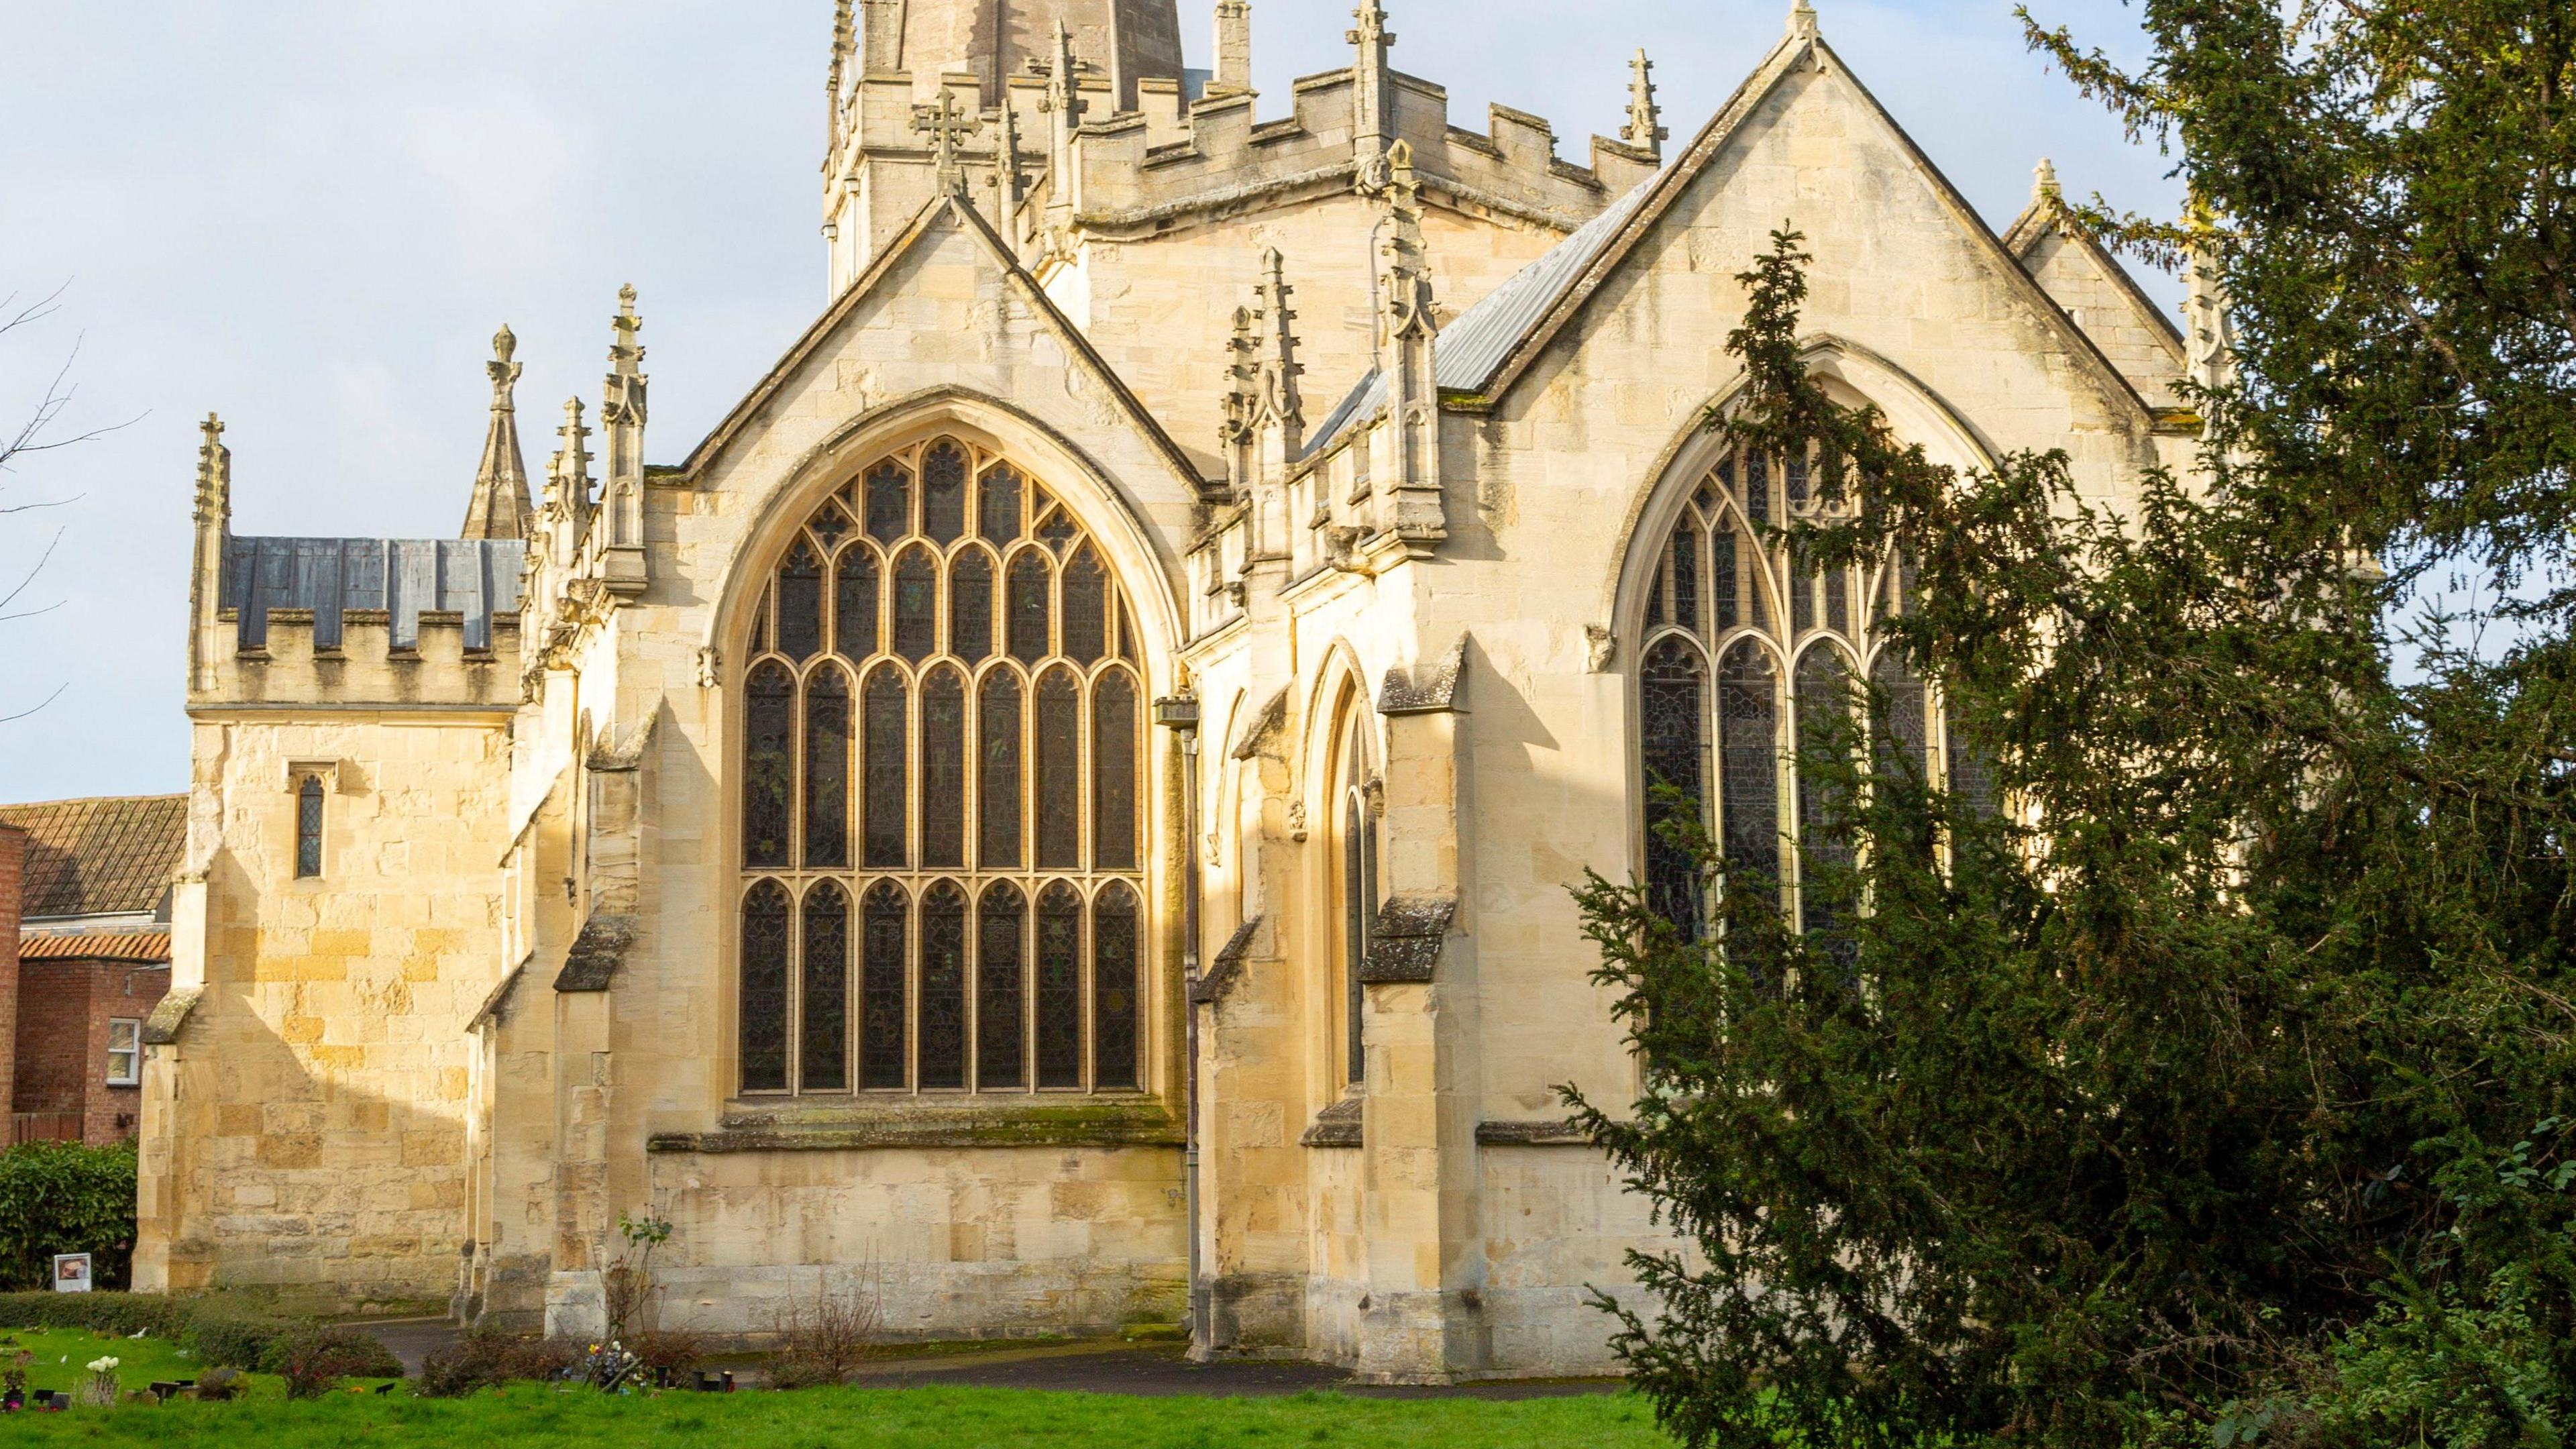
pixel 859 1419
pixel 63 1356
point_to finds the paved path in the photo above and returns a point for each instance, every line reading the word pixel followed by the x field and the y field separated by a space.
pixel 1162 1372
pixel 1101 1367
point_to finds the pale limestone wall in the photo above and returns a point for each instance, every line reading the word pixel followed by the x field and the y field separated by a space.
pixel 990 1242
pixel 318 1095
pixel 1549 492
pixel 581 1082
pixel 2110 312
pixel 1161 312
pixel 1557 1223
pixel 331 1116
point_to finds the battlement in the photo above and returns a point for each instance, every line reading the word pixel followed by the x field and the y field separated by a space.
pixel 361 624
pixel 1170 152
pixel 1152 171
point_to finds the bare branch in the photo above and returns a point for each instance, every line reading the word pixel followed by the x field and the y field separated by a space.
pixel 37 706
pixel 36 311
pixel 11 597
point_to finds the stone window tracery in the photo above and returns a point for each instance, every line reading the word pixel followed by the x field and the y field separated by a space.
pixel 942 742
pixel 1748 647
pixel 1357 886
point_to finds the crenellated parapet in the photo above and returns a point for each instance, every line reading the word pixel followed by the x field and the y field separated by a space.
pixel 1145 175
pixel 331 624
pixel 1123 155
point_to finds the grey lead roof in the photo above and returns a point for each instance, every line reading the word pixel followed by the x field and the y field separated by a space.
pixel 403 577
pixel 1477 341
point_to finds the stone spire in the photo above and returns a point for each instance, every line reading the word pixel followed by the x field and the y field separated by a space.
pixel 500 506
pixel 1372 93
pixel 1645 129
pixel 1802 20
pixel 1233 76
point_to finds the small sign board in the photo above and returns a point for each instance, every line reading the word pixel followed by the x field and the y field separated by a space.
pixel 71 1273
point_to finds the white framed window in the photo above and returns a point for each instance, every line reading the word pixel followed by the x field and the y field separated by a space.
pixel 124 1052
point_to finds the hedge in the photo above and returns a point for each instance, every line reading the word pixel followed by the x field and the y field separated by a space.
pixel 65 1197
pixel 222 1332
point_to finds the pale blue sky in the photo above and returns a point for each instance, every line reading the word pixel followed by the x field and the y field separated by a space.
pixel 310 215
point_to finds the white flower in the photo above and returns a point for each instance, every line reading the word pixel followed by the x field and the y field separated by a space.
pixel 102 1365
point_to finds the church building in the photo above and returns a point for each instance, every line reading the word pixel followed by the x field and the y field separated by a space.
pixel 1059 813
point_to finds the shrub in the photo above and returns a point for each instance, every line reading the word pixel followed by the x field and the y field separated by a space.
pixel 823 1340
pixel 314 1358
pixel 218 1385
pixel 226 1335
pixel 120 1314
pixel 666 1352
pixel 484 1359
pixel 65 1197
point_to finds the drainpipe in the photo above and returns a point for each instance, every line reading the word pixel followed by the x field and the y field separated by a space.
pixel 1180 714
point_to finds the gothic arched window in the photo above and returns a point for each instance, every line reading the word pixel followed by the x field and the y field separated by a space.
pixel 1355 824
pixel 942 831
pixel 1748 650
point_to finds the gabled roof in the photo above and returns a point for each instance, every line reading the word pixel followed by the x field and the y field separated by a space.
pixel 1478 340
pixel 134 948
pixel 1642 212
pixel 2039 216
pixel 2041 219
pixel 861 291
pixel 99 857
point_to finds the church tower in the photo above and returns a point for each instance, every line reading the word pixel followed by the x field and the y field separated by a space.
pixel 994 40
pixel 924 92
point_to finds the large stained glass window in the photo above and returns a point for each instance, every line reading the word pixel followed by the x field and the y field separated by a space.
pixel 1749 647
pixel 942 745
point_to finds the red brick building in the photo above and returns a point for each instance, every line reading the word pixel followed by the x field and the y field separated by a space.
pixel 84 957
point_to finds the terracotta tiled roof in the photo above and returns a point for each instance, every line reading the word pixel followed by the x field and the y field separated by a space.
pixel 99 857
pixel 146 947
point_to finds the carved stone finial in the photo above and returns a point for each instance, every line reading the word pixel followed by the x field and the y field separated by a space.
pixel 1279 402
pixel 1064 79
pixel 946 124
pixel 1407 281
pixel 1242 394
pixel 214 474
pixel 568 481
pixel 2043 187
pixel 1802 21
pixel 1371 29
pixel 1372 92
pixel 1010 184
pixel 1645 129
pixel 2209 336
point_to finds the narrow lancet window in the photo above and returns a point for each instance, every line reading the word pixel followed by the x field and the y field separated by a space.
pixel 308 828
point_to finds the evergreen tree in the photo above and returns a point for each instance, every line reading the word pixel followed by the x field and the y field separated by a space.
pixel 2211 1083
